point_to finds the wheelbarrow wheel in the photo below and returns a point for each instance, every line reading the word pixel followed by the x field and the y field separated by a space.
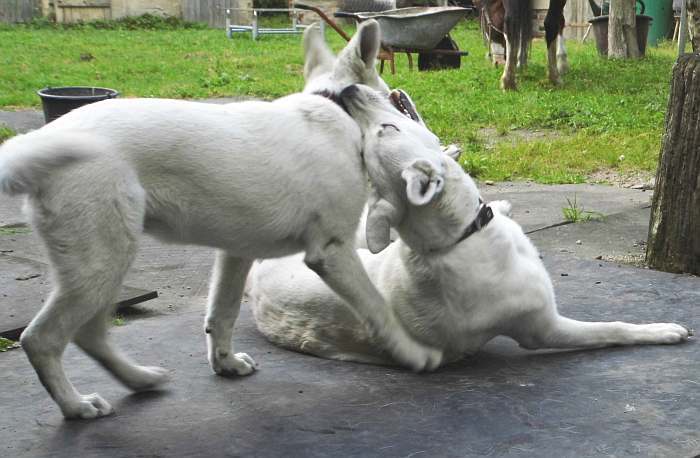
pixel 431 61
pixel 357 6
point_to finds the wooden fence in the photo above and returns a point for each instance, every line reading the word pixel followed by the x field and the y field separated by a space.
pixel 577 13
pixel 213 12
pixel 12 11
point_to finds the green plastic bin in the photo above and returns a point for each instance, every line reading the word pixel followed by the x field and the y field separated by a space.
pixel 662 12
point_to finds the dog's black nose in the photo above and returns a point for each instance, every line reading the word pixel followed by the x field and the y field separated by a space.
pixel 349 92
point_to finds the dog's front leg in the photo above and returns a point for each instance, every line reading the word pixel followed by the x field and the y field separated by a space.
pixel 339 266
pixel 225 291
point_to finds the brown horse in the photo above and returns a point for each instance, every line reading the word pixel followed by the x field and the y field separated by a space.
pixel 509 23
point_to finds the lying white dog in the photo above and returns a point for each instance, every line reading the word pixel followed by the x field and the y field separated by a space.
pixel 461 273
pixel 253 180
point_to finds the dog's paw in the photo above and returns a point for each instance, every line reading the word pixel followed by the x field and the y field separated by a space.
pixel 413 354
pixel 667 333
pixel 238 364
pixel 420 358
pixel 503 207
pixel 148 378
pixel 90 406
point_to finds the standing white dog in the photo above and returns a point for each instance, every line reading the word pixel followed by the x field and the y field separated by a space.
pixel 253 180
pixel 461 273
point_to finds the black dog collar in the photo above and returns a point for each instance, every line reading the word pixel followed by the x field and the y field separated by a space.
pixel 484 216
pixel 335 98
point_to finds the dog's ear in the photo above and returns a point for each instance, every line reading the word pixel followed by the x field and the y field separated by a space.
pixel 380 217
pixel 423 182
pixel 369 36
pixel 317 57
pixel 360 54
pixel 356 62
pixel 453 151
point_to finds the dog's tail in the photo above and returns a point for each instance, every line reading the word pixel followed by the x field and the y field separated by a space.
pixel 26 160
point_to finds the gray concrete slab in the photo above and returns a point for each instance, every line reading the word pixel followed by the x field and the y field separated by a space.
pixel 11 211
pixel 22 121
pixel 536 206
pixel 639 401
pixel 619 237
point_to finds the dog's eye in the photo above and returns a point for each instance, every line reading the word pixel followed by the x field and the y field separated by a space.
pixel 386 125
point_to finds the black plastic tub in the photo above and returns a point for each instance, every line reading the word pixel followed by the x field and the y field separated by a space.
pixel 58 101
pixel 600 31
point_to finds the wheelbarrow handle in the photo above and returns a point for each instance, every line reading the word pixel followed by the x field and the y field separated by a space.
pixel 325 18
pixel 302 6
pixel 345 14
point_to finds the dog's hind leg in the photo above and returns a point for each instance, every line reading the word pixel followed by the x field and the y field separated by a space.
pixel 339 266
pixel 92 338
pixel 89 218
pixel 225 292
pixel 44 342
pixel 551 330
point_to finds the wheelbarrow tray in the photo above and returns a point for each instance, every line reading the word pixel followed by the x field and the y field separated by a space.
pixel 419 28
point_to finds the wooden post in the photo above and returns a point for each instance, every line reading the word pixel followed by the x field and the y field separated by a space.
pixel 674 229
pixel 683 33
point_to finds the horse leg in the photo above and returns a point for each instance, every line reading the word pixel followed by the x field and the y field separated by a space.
pixel 512 46
pixel 562 58
pixel 525 37
pixel 553 24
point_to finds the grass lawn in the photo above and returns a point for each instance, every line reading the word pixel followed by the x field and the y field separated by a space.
pixel 608 116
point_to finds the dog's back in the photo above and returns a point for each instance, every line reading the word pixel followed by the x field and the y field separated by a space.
pixel 204 161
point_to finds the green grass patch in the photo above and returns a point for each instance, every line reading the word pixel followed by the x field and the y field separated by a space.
pixel 5 133
pixel 604 110
pixel 567 159
pixel 7 344
pixel 575 213
pixel 14 230
pixel 118 320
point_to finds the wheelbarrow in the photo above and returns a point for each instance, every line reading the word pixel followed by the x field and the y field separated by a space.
pixel 421 30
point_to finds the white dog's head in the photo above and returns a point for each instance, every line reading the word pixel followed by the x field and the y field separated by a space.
pixel 408 168
pixel 418 188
